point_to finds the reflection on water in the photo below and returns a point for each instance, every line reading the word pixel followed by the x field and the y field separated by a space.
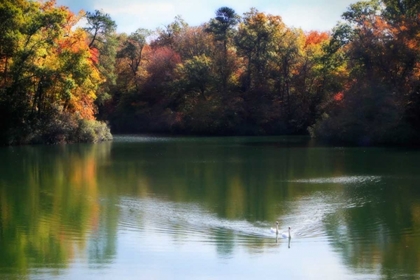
pixel 203 208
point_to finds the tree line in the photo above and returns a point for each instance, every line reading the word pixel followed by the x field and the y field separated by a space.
pixel 232 75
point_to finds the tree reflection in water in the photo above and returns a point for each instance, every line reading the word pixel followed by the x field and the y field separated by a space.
pixel 61 202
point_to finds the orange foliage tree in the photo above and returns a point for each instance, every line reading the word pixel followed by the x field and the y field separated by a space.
pixel 51 79
pixel 380 102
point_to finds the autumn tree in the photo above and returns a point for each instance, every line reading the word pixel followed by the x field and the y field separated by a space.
pixel 378 38
pixel 222 27
pixel 276 79
pixel 167 36
pixel 103 47
pixel 256 39
pixel 133 51
pixel 49 82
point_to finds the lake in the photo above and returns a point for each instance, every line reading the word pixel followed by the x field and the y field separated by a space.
pixel 202 208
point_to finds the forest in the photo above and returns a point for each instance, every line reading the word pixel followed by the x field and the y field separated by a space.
pixel 249 74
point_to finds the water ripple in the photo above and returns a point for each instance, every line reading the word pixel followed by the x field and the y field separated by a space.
pixel 339 180
pixel 183 219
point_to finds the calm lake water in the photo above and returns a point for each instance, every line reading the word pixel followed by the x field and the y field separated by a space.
pixel 202 208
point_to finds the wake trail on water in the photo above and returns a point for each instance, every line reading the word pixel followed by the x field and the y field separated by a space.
pixel 339 180
pixel 306 216
pixel 165 216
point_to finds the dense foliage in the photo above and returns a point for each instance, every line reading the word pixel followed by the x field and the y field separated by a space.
pixel 233 75
pixel 380 101
pixel 49 80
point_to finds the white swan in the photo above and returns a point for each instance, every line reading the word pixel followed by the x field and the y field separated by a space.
pixel 287 235
pixel 276 230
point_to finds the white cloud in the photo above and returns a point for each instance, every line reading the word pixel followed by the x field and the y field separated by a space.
pixel 308 19
pixel 144 9
pixel 132 14
pixel 310 14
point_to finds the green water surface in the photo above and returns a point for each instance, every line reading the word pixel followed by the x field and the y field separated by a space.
pixel 202 208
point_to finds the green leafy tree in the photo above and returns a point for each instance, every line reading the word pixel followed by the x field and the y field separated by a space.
pixel 257 38
pixel 196 75
pixel 222 27
pixel 103 45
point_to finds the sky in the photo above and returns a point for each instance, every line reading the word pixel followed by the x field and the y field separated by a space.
pixel 129 15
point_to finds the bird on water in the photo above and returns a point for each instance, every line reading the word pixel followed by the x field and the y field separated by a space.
pixel 276 230
pixel 287 235
pixel 284 234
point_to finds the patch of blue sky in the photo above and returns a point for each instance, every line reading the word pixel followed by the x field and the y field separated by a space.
pixel 130 15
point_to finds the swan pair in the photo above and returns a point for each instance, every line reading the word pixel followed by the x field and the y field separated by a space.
pixel 283 235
